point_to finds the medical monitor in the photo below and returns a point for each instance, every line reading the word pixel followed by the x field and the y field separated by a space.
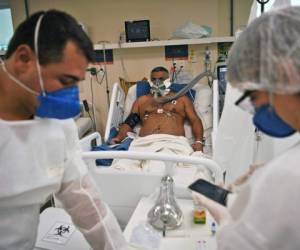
pixel 137 31
pixel 221 73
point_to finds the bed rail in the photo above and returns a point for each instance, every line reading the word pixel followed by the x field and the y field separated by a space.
pixel 169 160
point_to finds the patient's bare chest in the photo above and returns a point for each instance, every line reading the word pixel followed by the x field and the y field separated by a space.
pixel 170 108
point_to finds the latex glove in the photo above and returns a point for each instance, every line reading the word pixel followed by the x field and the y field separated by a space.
pixel 218 211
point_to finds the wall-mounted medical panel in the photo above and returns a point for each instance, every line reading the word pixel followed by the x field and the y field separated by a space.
pixel 99 56
pixel 177 52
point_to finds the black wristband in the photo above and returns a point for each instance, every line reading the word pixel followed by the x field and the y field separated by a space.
pixel 132 120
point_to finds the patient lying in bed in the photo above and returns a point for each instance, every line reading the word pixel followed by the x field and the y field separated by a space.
pixel 162 125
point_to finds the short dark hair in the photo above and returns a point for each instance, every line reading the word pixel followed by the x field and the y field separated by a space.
pixel 159 69
pixel 57 28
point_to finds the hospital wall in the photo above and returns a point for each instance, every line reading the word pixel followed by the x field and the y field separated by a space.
pixel 104 21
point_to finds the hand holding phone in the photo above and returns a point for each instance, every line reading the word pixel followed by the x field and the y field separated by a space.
pixel 210 190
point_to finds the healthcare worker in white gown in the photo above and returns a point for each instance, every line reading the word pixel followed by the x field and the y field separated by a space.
pixel 39 147
pixel 264 63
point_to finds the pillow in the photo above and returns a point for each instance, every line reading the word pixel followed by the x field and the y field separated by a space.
pixel 142 88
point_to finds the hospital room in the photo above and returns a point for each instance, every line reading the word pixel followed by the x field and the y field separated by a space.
pixel 149 125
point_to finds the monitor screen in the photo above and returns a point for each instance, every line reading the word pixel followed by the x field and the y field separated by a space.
pixel 137 31
pixel 222 83
pixel 222 73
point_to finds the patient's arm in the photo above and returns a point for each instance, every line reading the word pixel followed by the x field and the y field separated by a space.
pixel 196 124
pixel 125 128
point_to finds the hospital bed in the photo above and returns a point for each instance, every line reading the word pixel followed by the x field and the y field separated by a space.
pixel 122 190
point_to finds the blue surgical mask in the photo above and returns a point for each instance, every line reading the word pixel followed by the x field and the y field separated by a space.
pixel 60 104
pixel 267 120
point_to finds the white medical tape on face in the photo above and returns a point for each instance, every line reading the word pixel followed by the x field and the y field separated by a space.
pixel 167 83
pixel 36 49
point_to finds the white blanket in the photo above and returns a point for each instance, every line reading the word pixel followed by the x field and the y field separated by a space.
pixel 163 143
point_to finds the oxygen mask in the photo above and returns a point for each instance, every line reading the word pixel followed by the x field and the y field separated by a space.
pixel 160 87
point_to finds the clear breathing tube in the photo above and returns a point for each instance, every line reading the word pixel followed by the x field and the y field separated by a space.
pixel 187 88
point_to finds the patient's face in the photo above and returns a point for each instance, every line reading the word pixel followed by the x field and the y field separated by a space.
pixel 161 75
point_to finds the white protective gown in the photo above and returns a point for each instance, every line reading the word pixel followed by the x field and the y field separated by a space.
pixel 266 212
pixel 38 158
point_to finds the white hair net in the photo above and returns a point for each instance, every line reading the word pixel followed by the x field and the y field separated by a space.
pixel 266 55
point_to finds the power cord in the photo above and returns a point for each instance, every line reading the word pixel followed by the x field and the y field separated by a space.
pixel 106 79
pixel 103 75
pixel 87 109
pixel 92 95
pixel 94 73
pixel 124 71
pixel 207 65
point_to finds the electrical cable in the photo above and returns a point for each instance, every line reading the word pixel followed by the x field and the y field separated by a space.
pixel 97 80
pixel 26 8
pixel 178 72
pixel 106 79
pixel 93 73
pixel 93 106
pixel 125 74
pixel 173 78
pixel 87 109
pixel 207 65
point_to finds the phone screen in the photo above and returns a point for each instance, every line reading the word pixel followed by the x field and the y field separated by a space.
pixel 210 190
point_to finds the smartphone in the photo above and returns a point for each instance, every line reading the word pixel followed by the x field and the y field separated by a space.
pixel 210 190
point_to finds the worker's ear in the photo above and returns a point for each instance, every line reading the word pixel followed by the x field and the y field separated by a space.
pixel 23 62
